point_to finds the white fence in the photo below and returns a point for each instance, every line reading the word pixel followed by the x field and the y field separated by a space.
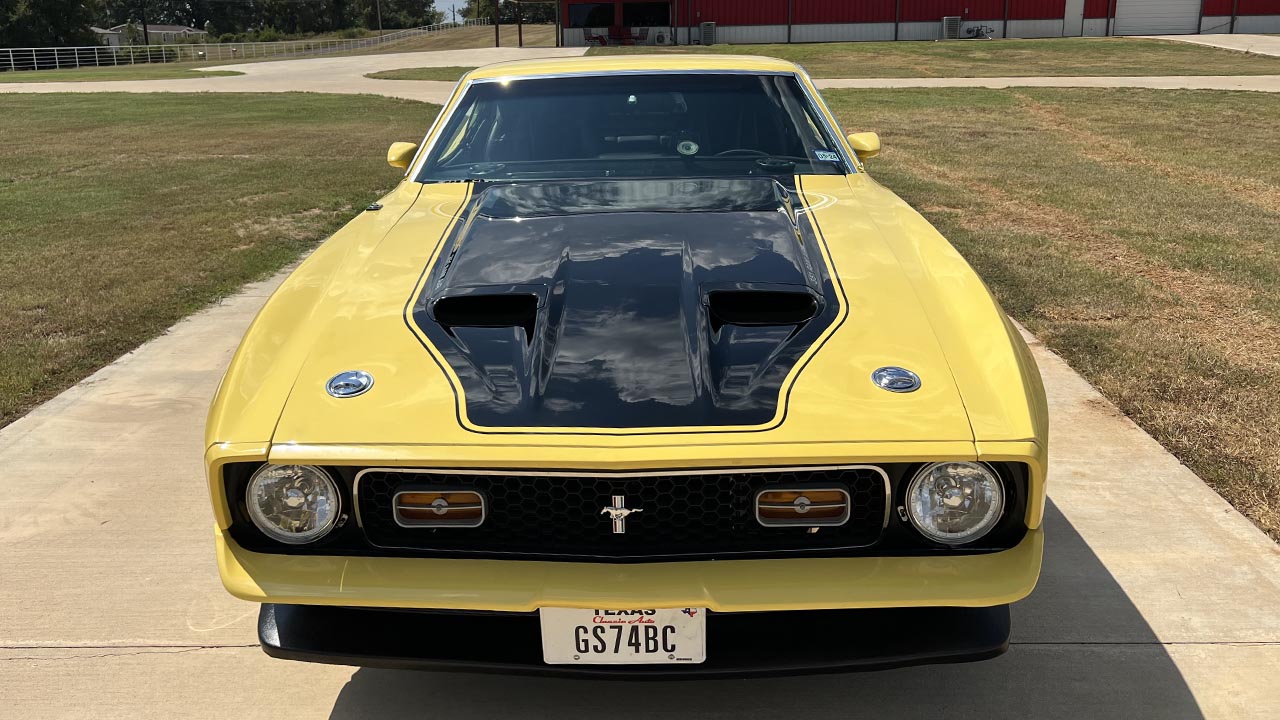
pixel 56 58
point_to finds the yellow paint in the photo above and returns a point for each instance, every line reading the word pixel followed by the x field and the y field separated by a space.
pixel 630 63
pixel 724 585
pixel 400 154
pixel 911 300
pixel 865 144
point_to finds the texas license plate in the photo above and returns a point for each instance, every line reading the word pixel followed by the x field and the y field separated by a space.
pixel 588 637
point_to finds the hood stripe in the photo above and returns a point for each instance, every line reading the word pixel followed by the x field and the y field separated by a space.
pixel 481 407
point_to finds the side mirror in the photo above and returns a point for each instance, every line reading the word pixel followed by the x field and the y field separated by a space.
pixel 401 154
pixel 865 144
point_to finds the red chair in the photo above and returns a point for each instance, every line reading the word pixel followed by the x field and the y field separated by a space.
pixel 621 35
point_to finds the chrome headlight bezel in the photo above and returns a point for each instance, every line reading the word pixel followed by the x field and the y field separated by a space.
pixel 263 524
pixel 985 525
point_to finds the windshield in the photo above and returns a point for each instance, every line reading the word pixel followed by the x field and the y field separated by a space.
pixel 659 125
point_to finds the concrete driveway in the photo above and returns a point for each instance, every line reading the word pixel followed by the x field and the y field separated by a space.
pixel 341 75
pixel 1260 44
pixel 1158 600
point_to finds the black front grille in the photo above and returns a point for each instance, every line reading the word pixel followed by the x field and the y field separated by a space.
pixel 681 515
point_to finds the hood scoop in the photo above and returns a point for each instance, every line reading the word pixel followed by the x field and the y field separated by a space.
pixel 484 310
pixel 627 304
pixel 760 308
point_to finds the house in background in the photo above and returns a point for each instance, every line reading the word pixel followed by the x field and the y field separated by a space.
pixel 156 34
pixel 110 38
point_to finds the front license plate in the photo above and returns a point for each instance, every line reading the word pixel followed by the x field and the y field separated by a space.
pixel 571 636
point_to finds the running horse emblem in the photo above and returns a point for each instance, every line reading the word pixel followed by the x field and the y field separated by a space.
pixel 618 513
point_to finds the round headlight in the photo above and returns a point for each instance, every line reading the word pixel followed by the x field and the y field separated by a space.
pixel 955 502
pixel 294 504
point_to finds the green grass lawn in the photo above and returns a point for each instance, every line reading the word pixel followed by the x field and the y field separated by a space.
pixel 1136 232
pixel 448 74
pixel 156 71
pixel 124 213
pixel 996 58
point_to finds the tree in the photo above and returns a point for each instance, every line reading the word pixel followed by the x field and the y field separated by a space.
pixel 284 16
pixel 37 23
pixel 400 13
pixel 531 12
pixel 477 9
pixel 133 34
pixel 42 23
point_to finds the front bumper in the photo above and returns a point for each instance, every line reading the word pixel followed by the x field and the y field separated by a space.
pixel 519 586
pixel 738 644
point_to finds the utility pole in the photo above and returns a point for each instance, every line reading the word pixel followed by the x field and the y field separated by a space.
pixel 519 25
pixel 146 36
pixel 377 4
pixel 497 38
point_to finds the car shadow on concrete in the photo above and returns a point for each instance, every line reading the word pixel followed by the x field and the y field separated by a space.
pixel 1080 649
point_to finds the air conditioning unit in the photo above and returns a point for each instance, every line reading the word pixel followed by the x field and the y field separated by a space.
pixel 951 27
pixel 707 33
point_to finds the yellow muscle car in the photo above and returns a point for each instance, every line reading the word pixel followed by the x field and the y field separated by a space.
pixel 636 372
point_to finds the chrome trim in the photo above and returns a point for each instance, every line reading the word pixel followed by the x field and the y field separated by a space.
pixel 891 378
pixel 847 505
pixel 618 512
pixel 428 140
pixel 621 473
pixel 816 105
pixel 824 114
pixel 444 522
pixel 888 497
pixel 906 495
pixel 362 381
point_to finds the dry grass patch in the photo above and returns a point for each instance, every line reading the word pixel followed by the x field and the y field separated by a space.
pixel 1135 231
pixel 121 72
pixel 438 74
pixel 124 213
pixel 472 37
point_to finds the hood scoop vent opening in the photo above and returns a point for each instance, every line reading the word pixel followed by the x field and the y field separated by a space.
pixel 488 311
pixel 758 308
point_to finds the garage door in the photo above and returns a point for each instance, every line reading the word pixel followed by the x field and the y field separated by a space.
pixel 1157 17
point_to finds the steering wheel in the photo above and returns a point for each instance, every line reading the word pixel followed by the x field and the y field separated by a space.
pixel 741 151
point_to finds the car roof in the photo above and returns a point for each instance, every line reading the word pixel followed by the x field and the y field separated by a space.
pixel 635 63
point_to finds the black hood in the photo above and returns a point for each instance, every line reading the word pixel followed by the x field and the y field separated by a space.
pixel 628 303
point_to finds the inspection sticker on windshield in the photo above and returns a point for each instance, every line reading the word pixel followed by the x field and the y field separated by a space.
pixel 826 155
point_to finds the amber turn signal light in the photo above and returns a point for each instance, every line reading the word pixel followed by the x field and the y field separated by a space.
pixel 443 508
pixel 802 507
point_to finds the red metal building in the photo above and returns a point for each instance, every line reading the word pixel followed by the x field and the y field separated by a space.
pixel 746 21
